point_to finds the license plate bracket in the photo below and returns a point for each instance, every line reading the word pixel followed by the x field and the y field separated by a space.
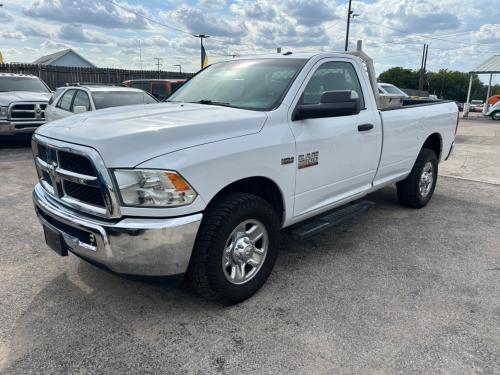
pixel 55 241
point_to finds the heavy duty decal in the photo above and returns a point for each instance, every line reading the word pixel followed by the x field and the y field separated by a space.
pixel 309 159
pixel 288 160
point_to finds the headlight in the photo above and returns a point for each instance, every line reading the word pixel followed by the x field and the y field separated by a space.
pixel 3 112
pixel 153 188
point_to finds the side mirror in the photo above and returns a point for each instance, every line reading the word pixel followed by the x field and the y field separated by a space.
pixel 332 104
pixel 79 109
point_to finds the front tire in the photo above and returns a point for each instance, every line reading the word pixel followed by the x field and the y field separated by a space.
pixel 236 247
pixel 417 189
pixel 496 115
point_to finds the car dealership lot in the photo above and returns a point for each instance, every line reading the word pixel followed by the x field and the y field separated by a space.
pixel 396 290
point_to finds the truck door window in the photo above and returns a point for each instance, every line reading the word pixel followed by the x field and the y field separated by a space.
pixel 81 99
pixel 159 90
pixel 65 101
pixel 331 76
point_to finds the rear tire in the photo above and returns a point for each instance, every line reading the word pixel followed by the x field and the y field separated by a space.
pixel 417 189
pixel 228 263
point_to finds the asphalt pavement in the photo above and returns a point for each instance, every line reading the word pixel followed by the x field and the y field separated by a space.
pixel 395 290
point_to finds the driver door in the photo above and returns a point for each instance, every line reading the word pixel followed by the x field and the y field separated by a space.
pixel 335 159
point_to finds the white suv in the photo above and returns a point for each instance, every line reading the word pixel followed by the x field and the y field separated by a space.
pixel 70 100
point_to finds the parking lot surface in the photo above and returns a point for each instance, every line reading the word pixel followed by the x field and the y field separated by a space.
pixel 395 290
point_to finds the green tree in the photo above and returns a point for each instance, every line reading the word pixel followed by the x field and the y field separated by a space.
pixel 446 84
pixel 400 77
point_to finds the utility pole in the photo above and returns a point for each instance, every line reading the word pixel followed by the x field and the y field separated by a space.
pixel 140 53
pixel 158 59
pixel 201 36
pixel 350 15
pixel 180 67
pixel 423 65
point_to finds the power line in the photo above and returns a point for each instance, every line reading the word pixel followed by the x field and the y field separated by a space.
pixel 423 35
pixel 149 18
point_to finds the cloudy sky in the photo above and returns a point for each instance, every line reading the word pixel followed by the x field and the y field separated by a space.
pixel 112 33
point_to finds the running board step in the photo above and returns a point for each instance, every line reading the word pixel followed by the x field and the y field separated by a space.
pixel 330 219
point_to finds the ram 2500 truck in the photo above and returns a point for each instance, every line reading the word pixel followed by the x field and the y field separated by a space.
pixel 23 99
pixel 202 185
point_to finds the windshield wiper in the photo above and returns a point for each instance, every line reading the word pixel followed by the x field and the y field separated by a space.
pixel 211 102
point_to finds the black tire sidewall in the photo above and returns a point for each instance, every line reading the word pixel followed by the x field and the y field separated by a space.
pixel 258 210
pixel 496 116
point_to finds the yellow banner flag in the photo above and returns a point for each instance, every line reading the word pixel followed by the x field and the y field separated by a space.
pixel 204 58
pixel 1 58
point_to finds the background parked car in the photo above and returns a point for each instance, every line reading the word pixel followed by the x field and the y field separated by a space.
pixel 159 88
pixel 390 89
pixel 476 106
pixel 494 111
pixel 78 99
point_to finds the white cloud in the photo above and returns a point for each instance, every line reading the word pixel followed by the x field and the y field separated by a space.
pixel 92 12
pixel 212 4
pixel 12 35
pixel 197 21
pixel 76 33
pixel 460 32
pixel 255 10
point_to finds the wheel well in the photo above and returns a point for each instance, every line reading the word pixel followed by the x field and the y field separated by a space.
pixel 262 187
pixel 434 143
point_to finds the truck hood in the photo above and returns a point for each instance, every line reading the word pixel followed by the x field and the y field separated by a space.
pixel 128 136
pixel 23 96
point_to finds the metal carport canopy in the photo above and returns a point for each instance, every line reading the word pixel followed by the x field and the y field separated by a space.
pixel 490 66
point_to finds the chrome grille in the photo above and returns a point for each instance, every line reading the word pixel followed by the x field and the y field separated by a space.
pixel 76 176
pixel 27 111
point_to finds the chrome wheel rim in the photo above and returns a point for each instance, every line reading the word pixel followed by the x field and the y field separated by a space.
pixel 426 179
pixel 245 251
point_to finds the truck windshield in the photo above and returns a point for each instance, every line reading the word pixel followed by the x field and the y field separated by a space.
pixel 258 84
pixel 22 84
pixel 106 99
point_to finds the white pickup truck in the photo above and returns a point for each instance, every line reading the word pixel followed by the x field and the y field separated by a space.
pixel 202 185
pixel 23 99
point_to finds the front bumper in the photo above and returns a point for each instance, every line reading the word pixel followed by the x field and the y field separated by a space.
pixel 135 246
pixel 18 127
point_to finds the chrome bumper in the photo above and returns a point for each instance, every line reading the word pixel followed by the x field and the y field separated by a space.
pixel 18 127
pixel 136 246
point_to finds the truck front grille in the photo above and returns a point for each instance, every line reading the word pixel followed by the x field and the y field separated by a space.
pixel 27 112
pixel 70 174
pixel 88 194
pixel 76 163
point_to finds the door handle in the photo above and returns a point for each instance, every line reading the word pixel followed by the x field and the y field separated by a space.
pixel 365 127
